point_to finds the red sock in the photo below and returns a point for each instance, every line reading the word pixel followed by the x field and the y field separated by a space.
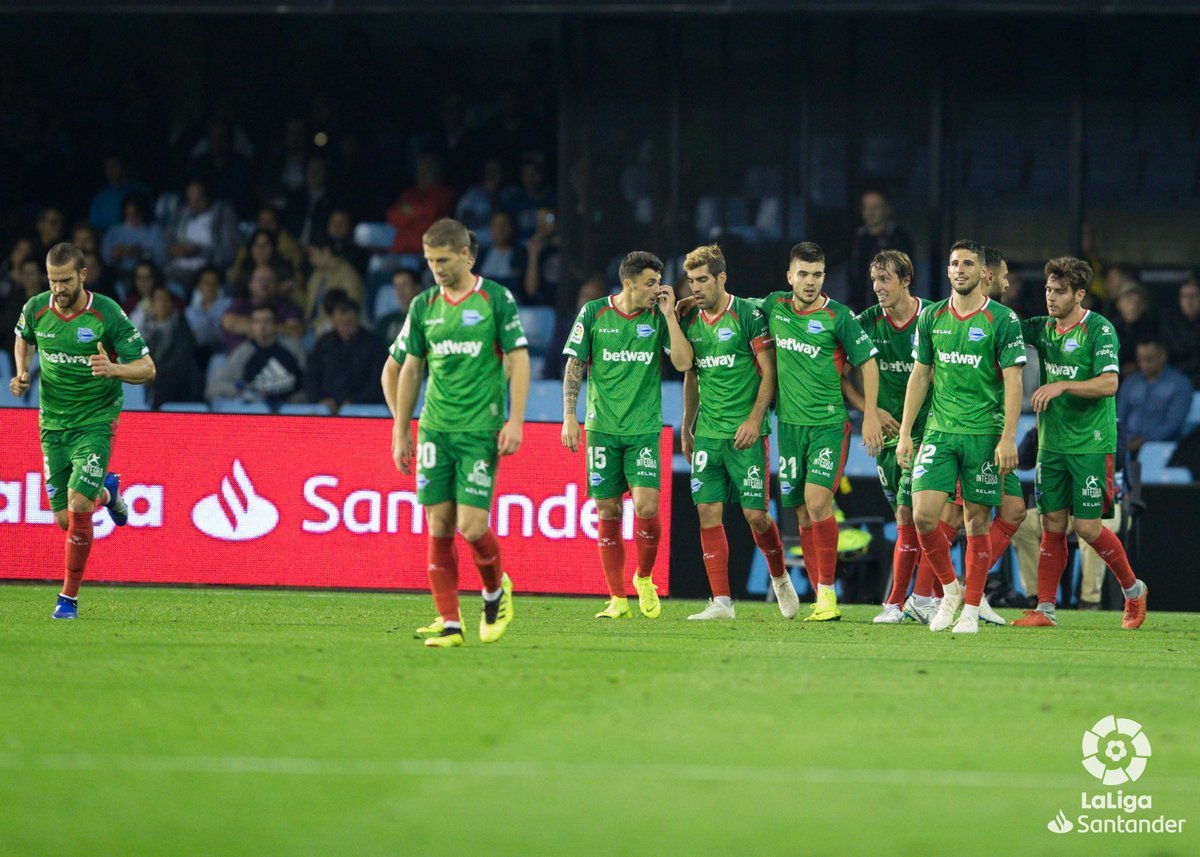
pixel 825 534
pixel 772 549
pixel 938 592
pixel 808 544
pixel 979 561
pixel 716 558
pixel 904 560
pixel 937 554
pixel 1052 559
pixel 487 559
pixel 951 533
pixel 443 576
pixel 612 556
pixel 1109 547
pixel 925 581
pixel 646 532
pixel 79 545
pixel 1000 536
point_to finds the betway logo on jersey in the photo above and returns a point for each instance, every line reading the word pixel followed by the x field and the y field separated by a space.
pixel 958 358
pixel 713 361
pixel 624 356
pixel 59 357
pixel 447 347
pixel 787 343
pixel 1062 371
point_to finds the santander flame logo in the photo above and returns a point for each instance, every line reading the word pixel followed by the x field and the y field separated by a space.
pixel 237 514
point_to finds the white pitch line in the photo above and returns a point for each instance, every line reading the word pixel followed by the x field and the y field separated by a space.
pixel 532 770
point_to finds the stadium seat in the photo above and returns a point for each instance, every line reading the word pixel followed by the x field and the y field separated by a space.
pixel 672 400
pixel 185 408
pixel 304 409
pixel 365 411
pixel 239 406
pixel 537 365
pixel 859 463
pixel 545 402
pixel 1193 417
pixel 135 397
pixel 6 366
pixel 374 236
pixel 539 323
pixel 1153 457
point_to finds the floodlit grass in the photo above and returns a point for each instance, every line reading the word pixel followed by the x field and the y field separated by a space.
pixel 214 722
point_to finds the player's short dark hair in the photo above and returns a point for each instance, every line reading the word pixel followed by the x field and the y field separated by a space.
pixel 447 232
pixel 337 300
pixel 472 244
pixel 709 255
pixel 637 261
pixel 806 251
pixel 65 253
pixel 208 269
pixel 970 246
pixel 1074 272
pixel 993 258
pixel 895 260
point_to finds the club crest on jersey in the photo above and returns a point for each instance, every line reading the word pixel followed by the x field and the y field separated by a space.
pixel 595 479
pixel 724 334
pixel 1070 345
pixel 85 334
pixel 976 334
pixel 815 326
pixel 471 317
pixel 696 485
pixel 644 330
pixel 919 471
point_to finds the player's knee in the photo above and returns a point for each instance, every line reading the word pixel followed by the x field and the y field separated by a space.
pixel 645 508
pixel 1088 529
pixel 904 516
pixel 609 509
pixel 1013 513
pixel 926 519
pixel 758 519
pixel 710 514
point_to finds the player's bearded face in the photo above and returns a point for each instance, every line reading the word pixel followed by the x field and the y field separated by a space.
pixel 66 284
pixel 704 287
pixel 806 279
pixel 964 271
pixel 449 267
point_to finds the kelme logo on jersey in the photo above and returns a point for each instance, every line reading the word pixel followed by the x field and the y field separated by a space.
pixel 815 326
pixel 624 356
pixel 644 330
pixel 1070 345
pixel 447 347
pixel 976 334
pixel 471 317
pixel 57 357
pixel 85 334
pixel 960 359
pixel 712 361
pixel 1061 371
pixel 789 344
pixel 724 334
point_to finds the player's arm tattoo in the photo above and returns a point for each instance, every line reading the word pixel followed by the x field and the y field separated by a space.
pixel 572 381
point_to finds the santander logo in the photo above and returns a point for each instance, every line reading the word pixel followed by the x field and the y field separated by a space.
pixel 237 514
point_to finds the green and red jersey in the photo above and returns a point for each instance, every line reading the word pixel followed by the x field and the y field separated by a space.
pixel 895 346
pixel 968 354
pixel 464 342
pixel 1085 350
pixel 811 350
pixel 70 395
pixel 624 357
pixel 726 347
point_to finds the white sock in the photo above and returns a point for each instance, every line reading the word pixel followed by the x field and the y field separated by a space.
pixel 492 595
pixel 952 587
pixel 454 626
pixel 1135 591
pixel 970 612
pixel 821 587
pixel 1046 608
pixel 922 600
pixel 724 600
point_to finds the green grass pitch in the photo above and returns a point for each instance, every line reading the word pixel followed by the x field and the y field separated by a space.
pixel 218 722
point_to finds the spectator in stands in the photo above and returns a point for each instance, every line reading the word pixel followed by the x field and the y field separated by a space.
pixel 504 261
pixel 22 248
pixel 145 279
pixel 419 206
pixel 307 209
pixel 224 172
pixel 330 273
pixel 1132 322
pixel 108 204
pixel 476 205
pixel 85 237
pixel 1153 403
pixel 135 238
pixel 21 273
pixel 283 172
pixel 262 291
pixel 204 314
pixel 878 232
pixel 1181 333
pixel 340 230
pixel 262 368
pixel 533 194
pixel 50 226
pixel 345 362
pixel 201 232
pixel 543 268
pixel 593 287
pixel 391 305
pixel 261 249
pixel 285 244
pixel 173 348
pixel 99 277
pixel 456 143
